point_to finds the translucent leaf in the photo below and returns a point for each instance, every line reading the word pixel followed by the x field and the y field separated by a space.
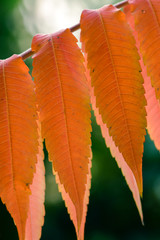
pixel 117 82
pixel 18 138
pixel 63 98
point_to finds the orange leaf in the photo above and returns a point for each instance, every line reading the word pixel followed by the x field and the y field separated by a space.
pixel 63 98
pixel 152 109
pixel 36 211
pixel 18 138
pixel 128 174
pixel 117 82
pixel 147 24
pixel 153 105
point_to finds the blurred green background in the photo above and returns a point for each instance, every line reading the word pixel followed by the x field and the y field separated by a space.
pixel 112 213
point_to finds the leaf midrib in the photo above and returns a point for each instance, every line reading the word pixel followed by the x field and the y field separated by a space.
pixel 10 141
pixel 112 60
pixel 67 131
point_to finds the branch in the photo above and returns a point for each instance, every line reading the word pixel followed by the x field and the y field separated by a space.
pixel 121 4
pixel 28 53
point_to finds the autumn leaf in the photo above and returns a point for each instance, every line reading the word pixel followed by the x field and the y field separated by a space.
pixel 128 174
pixel 153 110
pixel 153 105
pixel 63 99
pixel 36 210
pixel 114 85
pixel 117 82
pixel 18 138
pixel 147 25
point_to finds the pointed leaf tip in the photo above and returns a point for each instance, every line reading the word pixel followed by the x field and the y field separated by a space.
pixel 36 211
pixel 18 138
pixel 128 174
pixel 63 97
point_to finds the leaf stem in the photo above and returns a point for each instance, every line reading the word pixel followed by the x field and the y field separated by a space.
pixel 121 4
pixel 28 53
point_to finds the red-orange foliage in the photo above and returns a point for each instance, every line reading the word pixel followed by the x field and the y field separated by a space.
pixel 58 102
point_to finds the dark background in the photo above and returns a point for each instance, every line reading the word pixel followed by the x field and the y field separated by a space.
pixel 112 213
